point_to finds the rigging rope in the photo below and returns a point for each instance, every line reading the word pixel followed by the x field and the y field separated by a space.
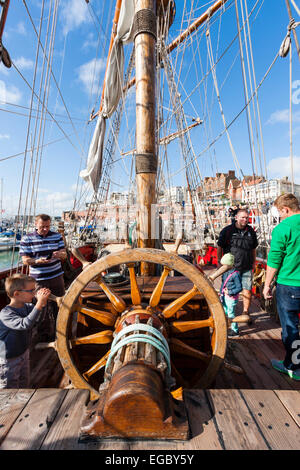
pixel 291 122
pixel 235 118
pixel 296 7
pixel 27 136
pixel 285 48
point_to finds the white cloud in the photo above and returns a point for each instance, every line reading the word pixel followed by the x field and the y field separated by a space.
pixel 90 42
pixel 280 167
pixel 89 71
pixel 283 116
pixel 23 63
pixel 44 190
pixel 54 203
pixel 4 136
pixel 9 94
pixel 20 29
pixel 74 13
pixel 58 197
pixel 11 31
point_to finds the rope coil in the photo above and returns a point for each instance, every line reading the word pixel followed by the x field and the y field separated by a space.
pixel 157 340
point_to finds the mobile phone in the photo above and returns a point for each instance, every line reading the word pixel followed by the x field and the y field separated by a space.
pixel 49 256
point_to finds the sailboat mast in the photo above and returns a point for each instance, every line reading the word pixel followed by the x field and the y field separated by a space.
pixel 146 159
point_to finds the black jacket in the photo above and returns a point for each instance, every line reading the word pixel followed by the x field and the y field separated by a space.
pixel 240 244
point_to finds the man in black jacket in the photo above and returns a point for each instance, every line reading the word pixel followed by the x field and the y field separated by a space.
pixel 240 239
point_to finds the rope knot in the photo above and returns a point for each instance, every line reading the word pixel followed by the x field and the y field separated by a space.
pixel 286 43
pixel 291 25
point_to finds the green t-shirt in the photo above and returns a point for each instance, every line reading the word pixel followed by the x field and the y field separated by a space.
pixel 284 253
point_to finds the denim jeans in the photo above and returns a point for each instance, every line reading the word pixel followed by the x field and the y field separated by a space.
pixel 288 306
pixel 247 277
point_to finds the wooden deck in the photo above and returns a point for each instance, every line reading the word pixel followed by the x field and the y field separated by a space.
pixel 259 409
pixel 49 419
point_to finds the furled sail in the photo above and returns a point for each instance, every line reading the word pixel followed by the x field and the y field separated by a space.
pixel 112 93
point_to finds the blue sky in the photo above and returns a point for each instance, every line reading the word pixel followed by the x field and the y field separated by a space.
pixel 82 33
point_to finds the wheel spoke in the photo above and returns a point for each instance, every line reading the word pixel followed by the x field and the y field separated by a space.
pixel 179 379
pixel 182 327
pixel 97 366
pixel 182 348
pixel 135 292
pixel 177 394
pixel 115 299
pixel 107 318
pixel 176 305
pixel 98 338
pixel 156 294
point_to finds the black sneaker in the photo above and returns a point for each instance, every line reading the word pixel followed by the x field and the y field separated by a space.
pixel 232 334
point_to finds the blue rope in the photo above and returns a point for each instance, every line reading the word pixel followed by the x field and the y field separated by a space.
pixel 159 342
pixel 141 327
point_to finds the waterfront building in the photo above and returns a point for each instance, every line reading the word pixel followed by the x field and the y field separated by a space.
pixel 269 190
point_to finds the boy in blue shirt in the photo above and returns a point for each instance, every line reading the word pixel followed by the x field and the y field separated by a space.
pixel 16 322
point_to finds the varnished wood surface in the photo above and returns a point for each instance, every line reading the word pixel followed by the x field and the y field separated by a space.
pixel 49 419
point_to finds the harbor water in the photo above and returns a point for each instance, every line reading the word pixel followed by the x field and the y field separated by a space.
pixel 6 258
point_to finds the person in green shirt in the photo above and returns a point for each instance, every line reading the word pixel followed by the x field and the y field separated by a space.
pixel 284 262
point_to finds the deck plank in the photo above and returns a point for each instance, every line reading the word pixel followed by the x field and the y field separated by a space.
pixel 34 421
pixel 257 344
pixel 12 403
pixel 202 422
pixel 275 422
pixel 256 372
pixel 291 400
pixel 236 427
pixel 64 432
pixel 272 348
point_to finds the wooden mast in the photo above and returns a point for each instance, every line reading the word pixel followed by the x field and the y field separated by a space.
pixel 146 159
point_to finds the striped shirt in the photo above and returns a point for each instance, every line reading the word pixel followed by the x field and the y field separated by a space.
pixel 36 246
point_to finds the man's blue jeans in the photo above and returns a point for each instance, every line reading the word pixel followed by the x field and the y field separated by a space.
pixel 288 306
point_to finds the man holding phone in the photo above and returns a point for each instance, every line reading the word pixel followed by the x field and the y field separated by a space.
pixel 43 251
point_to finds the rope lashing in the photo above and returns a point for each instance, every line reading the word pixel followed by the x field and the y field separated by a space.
pixel 157 340
pixel 286 43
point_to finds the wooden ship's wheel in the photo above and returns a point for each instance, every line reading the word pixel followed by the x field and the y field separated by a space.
pixel 170 329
